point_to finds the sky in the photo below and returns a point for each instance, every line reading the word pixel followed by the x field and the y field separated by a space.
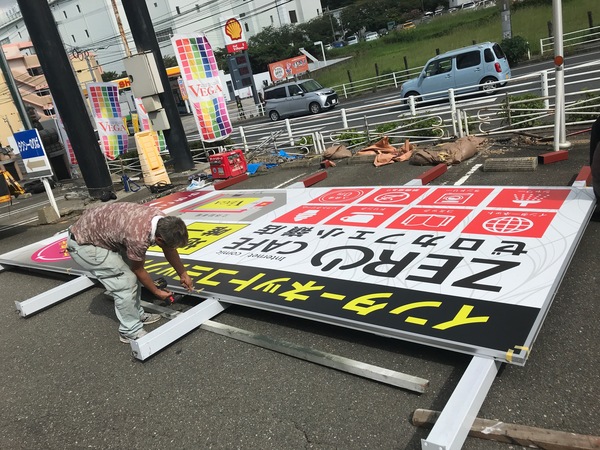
pixel 7 3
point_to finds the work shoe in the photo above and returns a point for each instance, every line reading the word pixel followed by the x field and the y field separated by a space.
pixel 148 318
pixel 138 334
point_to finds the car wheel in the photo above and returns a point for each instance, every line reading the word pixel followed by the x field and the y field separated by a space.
pixel 274 116
pixel 488 85
pixel 413 94
pixel 314 108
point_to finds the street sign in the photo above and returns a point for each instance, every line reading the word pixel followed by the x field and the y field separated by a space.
pixel 35 159
pixel 32 152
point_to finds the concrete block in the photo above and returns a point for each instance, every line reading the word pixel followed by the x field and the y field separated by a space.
pixel 47 215
pixel 523 164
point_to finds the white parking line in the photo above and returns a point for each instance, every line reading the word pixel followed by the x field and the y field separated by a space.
pixel 468 174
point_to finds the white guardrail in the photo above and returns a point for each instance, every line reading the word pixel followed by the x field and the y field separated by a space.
pixel 526 103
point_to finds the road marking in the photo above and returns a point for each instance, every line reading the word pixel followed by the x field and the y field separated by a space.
pixel 468 174
pixel 289 181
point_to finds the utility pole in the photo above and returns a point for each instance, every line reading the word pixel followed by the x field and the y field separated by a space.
pixel 14 91
pixel 120 26
pixel 505 16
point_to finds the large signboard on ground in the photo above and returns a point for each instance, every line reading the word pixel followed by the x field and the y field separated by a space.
pixel 469 269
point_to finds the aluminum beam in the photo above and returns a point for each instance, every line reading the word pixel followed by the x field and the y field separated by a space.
pixel 457 417
pixel 181 325
pixel 53 296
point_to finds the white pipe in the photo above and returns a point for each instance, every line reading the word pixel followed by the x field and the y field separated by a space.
pixel 344 119
pixel 560 128
pixel 288 126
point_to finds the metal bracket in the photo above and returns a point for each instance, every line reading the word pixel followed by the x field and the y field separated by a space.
pixel 53 296
pixel 457 417
pixel 176 328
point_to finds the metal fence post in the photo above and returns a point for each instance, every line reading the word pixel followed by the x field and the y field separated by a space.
pixel 288 126
pixel 544 88
pixel 243 136
pixel 344 119
pixel 411 104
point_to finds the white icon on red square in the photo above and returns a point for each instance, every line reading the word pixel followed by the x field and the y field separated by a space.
pixel 430 219
pixel 456 197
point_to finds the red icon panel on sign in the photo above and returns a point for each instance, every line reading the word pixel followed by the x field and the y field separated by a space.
pixel 308 214
pixel 343 196
pixel 451 197
pixel 430 219
pixel 363 216
pixel 530 198
pixel 394 196
pixel 511 223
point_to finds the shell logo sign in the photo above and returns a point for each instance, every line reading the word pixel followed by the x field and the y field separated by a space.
pixel 234 36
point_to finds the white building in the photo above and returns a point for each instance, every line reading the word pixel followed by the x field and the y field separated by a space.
pixel 92 26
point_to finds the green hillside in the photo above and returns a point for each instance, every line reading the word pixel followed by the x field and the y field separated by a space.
pixel 448 32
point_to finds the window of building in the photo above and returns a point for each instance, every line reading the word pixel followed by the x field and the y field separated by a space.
pixel 42 92
pixel 164 35
pixel 272 20
pixel 293 17
pixel 65 14
pixel 73 37
pixel 78 8
pixel 246 27
pixel 20 37
pixel 6 40
pixel 35 71
pixel 87 33
pixel 49 112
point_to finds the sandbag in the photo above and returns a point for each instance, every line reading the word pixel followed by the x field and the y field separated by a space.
pixel 337 152
pixel 449 153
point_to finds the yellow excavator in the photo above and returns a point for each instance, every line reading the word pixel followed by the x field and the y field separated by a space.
pixel 9 187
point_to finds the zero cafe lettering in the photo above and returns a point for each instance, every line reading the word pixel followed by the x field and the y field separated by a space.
pixel 289 290
pixel 385 265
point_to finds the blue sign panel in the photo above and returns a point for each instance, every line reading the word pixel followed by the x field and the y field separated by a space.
pixel 32 152
pixel 29 144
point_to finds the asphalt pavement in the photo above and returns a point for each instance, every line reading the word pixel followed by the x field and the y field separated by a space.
pixel 68 383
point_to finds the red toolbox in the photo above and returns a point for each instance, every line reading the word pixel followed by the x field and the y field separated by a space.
pixel 227 164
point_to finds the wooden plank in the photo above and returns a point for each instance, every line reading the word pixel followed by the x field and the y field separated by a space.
pixel 431 174
pixel 354 367
pixel 584 177
pixel 314 178
pixel 230 181
pixel 552 157
pixel 517 434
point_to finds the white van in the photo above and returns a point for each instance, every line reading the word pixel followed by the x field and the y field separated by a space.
pixel 482 67
pixel 296 98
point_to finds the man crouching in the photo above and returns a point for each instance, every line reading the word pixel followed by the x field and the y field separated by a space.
pixel 111 241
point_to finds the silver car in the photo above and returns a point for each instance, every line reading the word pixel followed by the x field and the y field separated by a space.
pixel 296 98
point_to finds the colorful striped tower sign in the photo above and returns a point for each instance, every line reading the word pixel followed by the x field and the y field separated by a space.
pixel 104 101
pixel 200 76
pixel 145 124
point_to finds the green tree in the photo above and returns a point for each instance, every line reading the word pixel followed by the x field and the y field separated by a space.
pixel 320 28
pixel 169 61
pixel 111 75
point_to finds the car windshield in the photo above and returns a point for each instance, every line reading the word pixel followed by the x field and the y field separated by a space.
pixel 310 86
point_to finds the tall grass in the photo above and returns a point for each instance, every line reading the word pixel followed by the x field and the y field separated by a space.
pixel 448 32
